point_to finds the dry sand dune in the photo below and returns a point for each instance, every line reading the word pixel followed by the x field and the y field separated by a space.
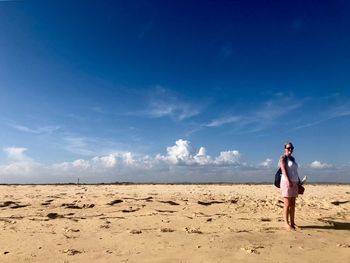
pixel 171 223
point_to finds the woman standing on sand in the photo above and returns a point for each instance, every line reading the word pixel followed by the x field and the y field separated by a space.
pixel 289 185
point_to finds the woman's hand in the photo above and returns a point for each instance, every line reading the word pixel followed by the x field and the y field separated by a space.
pixel 290 184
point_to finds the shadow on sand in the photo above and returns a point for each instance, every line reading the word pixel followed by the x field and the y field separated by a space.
pixel 334 225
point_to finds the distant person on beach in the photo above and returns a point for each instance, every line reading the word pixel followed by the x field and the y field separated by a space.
pixel 289 185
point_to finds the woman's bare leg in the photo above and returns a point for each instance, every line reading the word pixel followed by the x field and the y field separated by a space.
pixel 292 211
pixel 286 212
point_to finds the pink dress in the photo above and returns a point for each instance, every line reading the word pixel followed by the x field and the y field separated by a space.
pixel 292 170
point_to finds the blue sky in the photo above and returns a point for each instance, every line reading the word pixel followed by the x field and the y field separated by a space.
pixel 173 90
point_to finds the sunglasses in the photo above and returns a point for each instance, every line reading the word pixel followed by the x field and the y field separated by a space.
pixel 290 148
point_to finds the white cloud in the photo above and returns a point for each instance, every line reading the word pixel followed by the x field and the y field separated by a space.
pixel 228 158
pixel 179 153
pixel 16 153
pixel 98 164
pixel 18 169
pixel 108 161
pixel 318 165
pixel 81 163
pixel 113 159
pixel 267 163
pixel 202 158
pixel 20 163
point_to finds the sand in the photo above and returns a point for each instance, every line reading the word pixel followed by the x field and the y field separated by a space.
pixel 171 223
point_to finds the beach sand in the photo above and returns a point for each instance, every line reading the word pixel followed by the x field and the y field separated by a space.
pixel 171 223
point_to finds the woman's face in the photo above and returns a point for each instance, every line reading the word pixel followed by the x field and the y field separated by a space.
pixel 288 150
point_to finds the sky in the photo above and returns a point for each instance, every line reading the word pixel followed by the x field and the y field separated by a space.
pixel 173 91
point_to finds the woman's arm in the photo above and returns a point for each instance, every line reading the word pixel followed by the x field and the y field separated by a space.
pixel 283 165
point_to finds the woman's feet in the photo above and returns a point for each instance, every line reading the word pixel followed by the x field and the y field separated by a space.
pixel 294 226
pixel 290 227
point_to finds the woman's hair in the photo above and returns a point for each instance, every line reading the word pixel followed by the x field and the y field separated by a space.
pixel 288 143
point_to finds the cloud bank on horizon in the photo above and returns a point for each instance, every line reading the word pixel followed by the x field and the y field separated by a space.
pixel 179 164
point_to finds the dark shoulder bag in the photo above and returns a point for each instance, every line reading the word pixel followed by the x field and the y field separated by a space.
pixel 278 178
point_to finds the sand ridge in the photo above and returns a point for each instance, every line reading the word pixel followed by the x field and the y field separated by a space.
pixel 171 223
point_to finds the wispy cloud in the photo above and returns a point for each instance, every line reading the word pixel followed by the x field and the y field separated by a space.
pixel 277 107
pixel 225 120
pixel 261 118
pixel 340 111
pixel 37 130
pixel 178 111
pixel 334 112
pixel 310 124
pixel 89 146
pixel 98 109
pixel 164 103
pixel 77 145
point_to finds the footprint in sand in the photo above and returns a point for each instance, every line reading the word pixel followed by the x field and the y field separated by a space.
pixel 252 249
pixel 343 245
pixel 71 251
pixel 165 211
pixel 70 232
pixel 74 206
pixel 135 231
pixel 47 202
pixel 67 229
pixel 54 215
pixel 166 230
pixel 117 201
pixel 169 202
pixel 71 206
pixel 234 200
pixel 192 230
pixel 269 229
pixel 130 210
pixel 12 205
pixel 206 203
